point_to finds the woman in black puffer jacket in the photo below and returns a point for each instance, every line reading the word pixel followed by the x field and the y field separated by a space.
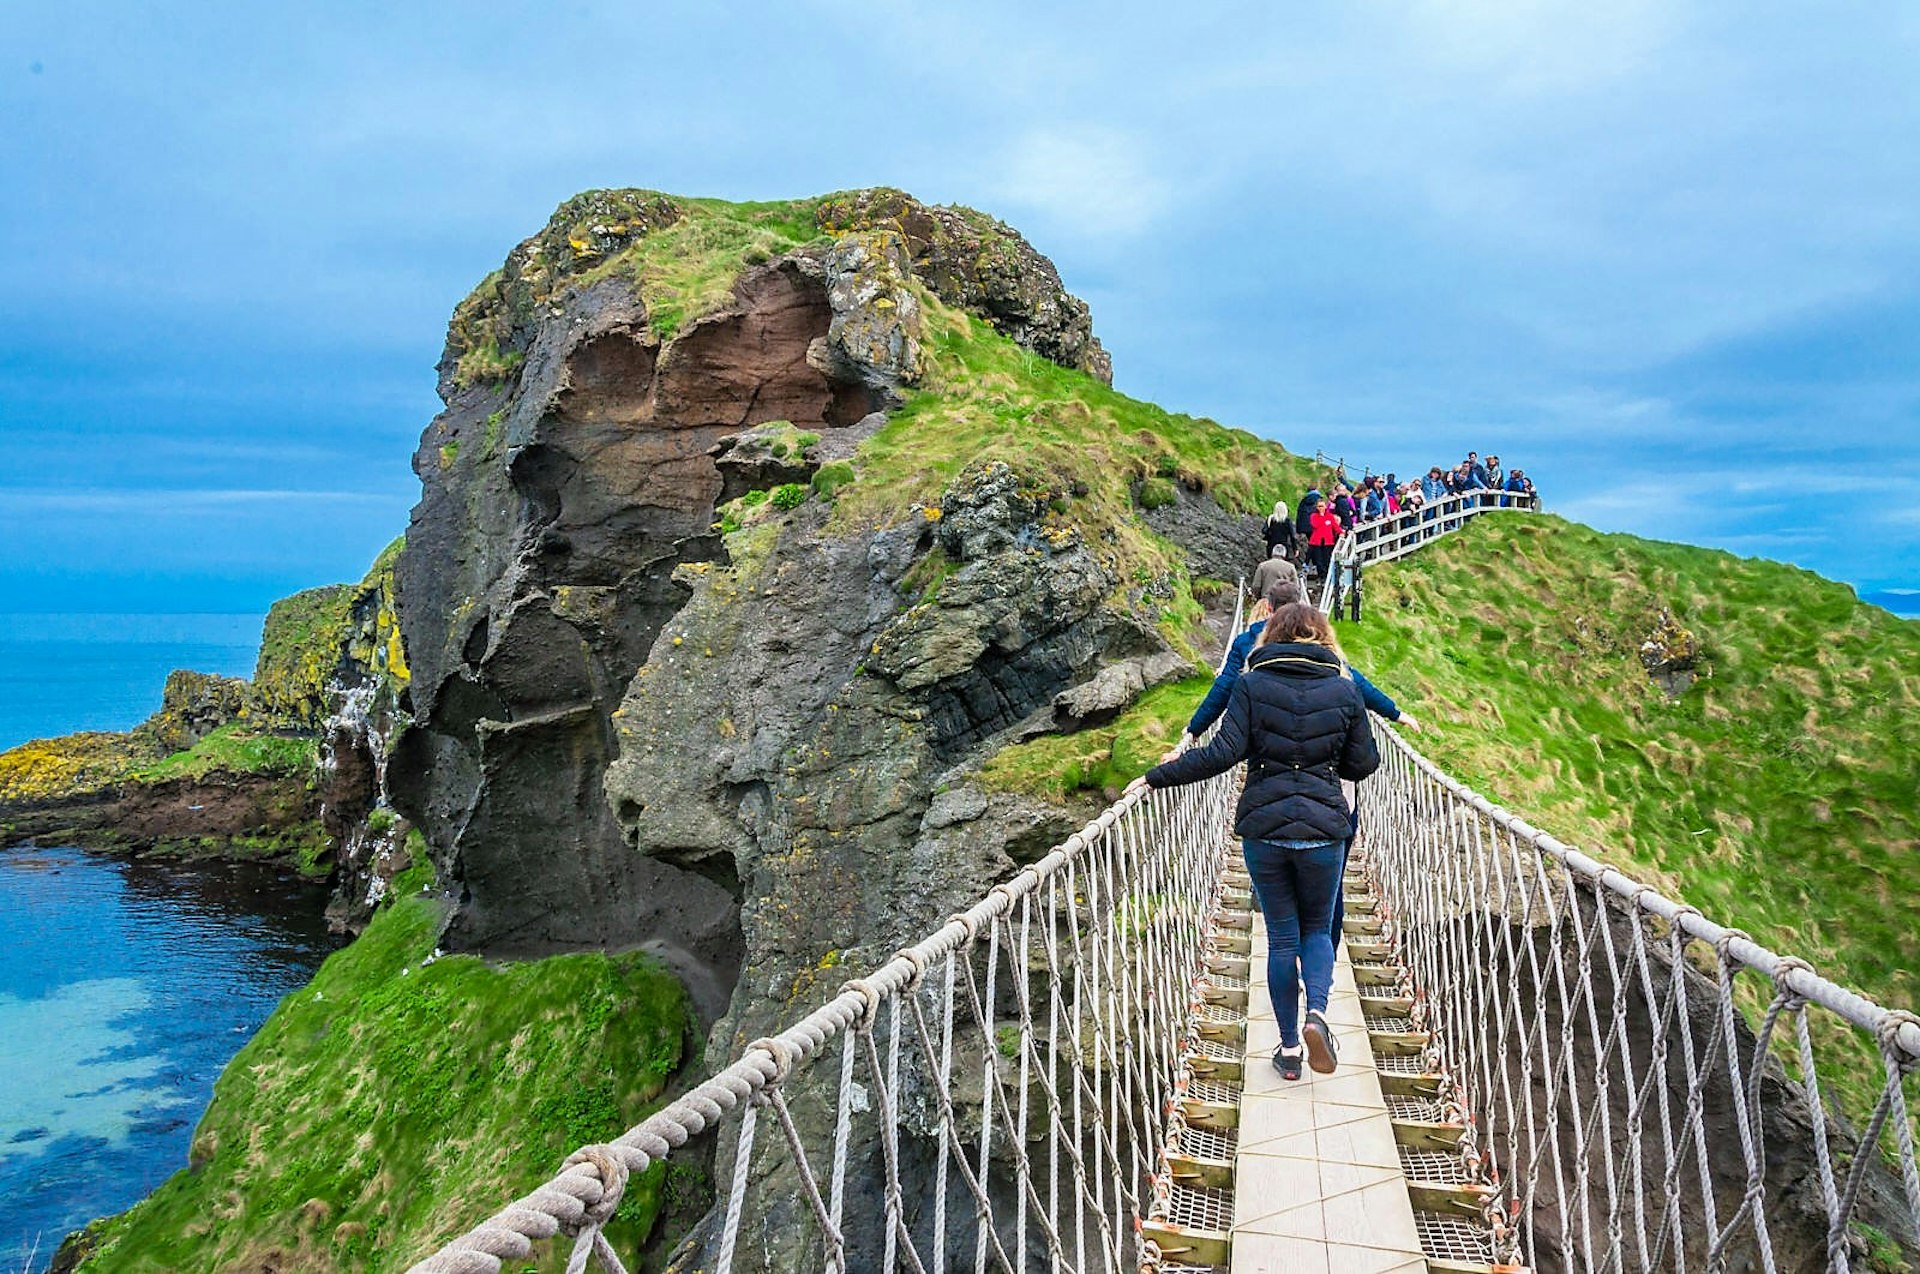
pixel 1298 722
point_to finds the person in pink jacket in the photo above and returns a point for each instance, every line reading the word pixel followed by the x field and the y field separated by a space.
pixel 1326 534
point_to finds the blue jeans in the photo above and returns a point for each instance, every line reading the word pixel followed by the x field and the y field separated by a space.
pixel 1294 885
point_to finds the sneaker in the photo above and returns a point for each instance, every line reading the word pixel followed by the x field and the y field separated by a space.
pixel 1318 1036
pixel 1288 1064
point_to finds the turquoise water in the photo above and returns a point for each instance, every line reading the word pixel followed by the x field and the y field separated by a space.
pixel 125 987
pixel 60 673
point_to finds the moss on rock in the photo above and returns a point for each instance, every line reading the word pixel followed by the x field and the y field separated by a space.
pixel 70 766
pixel 1095 764
pixel 401 1095
pixel 300 651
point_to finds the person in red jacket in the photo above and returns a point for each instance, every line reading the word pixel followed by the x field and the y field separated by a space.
pixel 1326 534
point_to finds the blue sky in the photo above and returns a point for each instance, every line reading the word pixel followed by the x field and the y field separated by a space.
pixel 1666 257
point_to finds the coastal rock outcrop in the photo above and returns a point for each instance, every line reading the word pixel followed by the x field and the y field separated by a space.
pixel 285 765
pixel 974 262
pixel 664 694
pixel 596 421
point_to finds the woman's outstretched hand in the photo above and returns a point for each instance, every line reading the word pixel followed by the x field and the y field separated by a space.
pixel 1407 720
pixel 1137 786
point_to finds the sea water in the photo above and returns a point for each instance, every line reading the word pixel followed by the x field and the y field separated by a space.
pixel 60 673
pixel 125 987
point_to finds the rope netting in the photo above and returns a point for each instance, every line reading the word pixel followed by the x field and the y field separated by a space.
pixel 1643 1089
pixel 1001 1092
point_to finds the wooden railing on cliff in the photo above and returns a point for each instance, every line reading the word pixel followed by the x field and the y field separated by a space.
pixel 1383 539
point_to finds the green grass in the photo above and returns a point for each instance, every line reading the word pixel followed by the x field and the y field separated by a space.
pixel 394 1101
pixel 487 362
pixel 300 650
pixel 234 749
pixel 687 270
pixel 1101 761
pixel 1779 794
pixel 986 398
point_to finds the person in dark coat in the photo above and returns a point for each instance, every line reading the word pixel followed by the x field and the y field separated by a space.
pixel 1280 532
pixel 1345 508
pixel 1303 513
pixel 1300 725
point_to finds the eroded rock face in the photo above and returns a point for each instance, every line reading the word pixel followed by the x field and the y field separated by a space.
pixel 752 755
pixel 193 705
pixel 1221 545
pixel 544 560
pixel 806 727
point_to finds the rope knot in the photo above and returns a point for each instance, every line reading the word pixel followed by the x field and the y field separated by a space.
pixel 919 963
pixel 966 922
pixel 1790 999
pixel 613 1183
pixel 1889 1033
pixel 870 995
pixel 1722 948
pixel 782 1058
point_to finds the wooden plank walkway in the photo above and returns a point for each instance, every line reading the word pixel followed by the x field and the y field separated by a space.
pixel 1318 1187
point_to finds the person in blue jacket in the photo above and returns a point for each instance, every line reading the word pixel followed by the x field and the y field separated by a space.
pixel 1282 592
pixel 1215 703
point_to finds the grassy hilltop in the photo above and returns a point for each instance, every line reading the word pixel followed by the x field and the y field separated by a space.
pixel 1779 793
pixel 1776 793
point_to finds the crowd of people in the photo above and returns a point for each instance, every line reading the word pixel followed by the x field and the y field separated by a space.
pixel 1307 536
pixel 1290 706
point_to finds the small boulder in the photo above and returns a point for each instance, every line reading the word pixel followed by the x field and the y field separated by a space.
pixel 1115 686
pixel 1671 655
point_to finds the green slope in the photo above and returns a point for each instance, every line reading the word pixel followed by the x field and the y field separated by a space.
pixel 1780 793
pixel 398 1099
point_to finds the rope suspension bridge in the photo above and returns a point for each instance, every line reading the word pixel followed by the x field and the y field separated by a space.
pixel 1545 1065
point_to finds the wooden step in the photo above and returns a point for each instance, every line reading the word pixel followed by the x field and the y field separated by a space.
pixel 1417 1134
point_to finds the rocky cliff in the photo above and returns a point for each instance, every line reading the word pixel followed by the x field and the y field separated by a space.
pixel 748 534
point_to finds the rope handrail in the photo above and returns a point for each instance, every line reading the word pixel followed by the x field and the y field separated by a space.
pixel 1620 1109
pixel 1858 1009
pixel 582 1196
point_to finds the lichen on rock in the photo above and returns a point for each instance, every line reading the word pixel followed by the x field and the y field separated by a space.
pixel 1671 655
pixel 974 262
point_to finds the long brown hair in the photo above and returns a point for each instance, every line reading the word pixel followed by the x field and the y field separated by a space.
pixel 1300 621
